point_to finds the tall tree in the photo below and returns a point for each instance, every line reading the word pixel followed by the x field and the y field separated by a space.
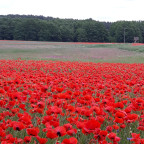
pixel 6 29
pixel 39 28
pixel 124 31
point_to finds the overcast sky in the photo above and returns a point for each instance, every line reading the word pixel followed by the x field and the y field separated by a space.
pixel 101 10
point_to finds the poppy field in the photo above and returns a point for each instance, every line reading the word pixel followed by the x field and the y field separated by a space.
pixel 57 102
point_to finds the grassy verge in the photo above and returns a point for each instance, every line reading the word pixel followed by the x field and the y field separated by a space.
pixel 128 46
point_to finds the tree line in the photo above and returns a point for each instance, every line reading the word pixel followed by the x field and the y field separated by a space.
pixel 40 28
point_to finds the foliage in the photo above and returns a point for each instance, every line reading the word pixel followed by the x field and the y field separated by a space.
pixel 40 28
pixel 129 29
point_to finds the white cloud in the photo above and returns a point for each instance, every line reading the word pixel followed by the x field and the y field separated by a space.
pixel 103 10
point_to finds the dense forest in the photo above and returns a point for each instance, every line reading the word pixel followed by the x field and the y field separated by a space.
pixel 40 28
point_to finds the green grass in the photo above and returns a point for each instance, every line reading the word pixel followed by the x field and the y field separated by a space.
pixel 119 60
pixel 120 45
pixel 126 46
pixel 71 52
pixel 11 51
pixel 132 59
pixel 133 48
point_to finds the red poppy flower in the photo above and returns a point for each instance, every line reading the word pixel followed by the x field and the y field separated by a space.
pixel 103 133
pixel 72 132
pixel 10 138
pixel 112 135
pixel 2 132
pixel 80 125
pixel 100 119
pixel 119 105
pixel 2 91
pixel 60 131
pixel 22 106
pixel 92 124
pixel 119 114
pixel 47 119
pixel 68 126
pixel 25 118
pixel 44 88
pixel 42 140
pixel 51 134
pixel 54 109
pixel 118 120
pixel 71 140
pixel 18 126
pixel 59 89
pixel 2 103
pixel 135 137
pixel 71 108
pixel 19 141
pixel 132 117
pixel 27 139
pixel 41 105
pixel 109 108
pixel 109 128
pixel 128 109
pixel 122 126
pixel 54 123
pixel 33 131
pixel 101 136
pixel 116 127
pixel 140 128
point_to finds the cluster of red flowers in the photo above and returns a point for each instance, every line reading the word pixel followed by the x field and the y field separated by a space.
pixel 66 102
